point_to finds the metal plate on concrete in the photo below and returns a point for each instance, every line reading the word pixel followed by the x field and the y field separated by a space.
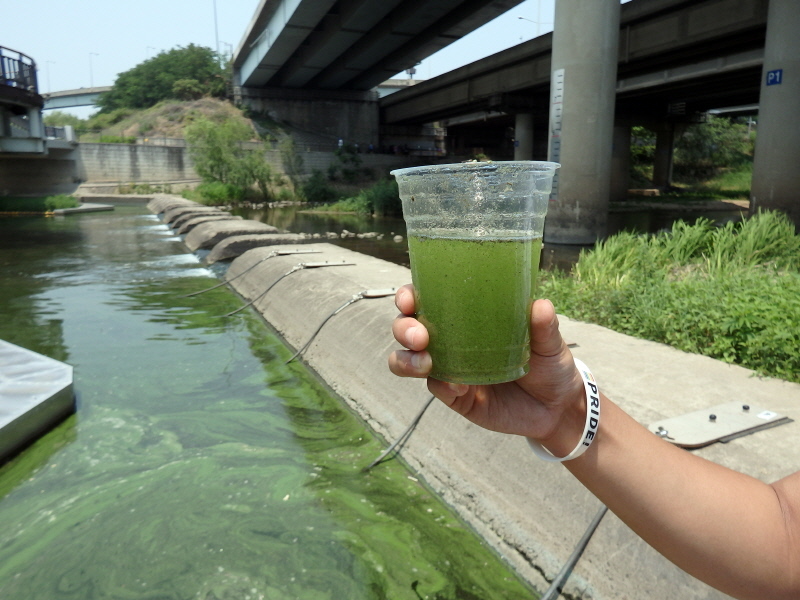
pixel 719 423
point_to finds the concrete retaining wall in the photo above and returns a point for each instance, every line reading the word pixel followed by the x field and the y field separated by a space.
pixel 24 176
pixel 531 512
pixel 132 163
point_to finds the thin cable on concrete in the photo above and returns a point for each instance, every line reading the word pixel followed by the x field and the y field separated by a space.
pixel 298 267
pixel 355 298
pixel 554 591
pixel 253 266
pixel 403 437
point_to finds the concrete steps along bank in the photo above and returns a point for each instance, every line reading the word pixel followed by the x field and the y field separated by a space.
pixel 533 513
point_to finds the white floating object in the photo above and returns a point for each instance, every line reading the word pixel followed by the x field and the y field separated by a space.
pixel 35 394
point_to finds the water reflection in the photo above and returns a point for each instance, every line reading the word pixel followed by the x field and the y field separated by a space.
pixel 335 228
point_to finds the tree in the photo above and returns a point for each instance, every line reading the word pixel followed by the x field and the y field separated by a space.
pixel 59 118
pixel 218 155
pixel 706 147
pixel 175 73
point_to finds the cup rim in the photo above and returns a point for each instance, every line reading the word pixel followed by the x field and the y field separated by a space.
pixel 540 166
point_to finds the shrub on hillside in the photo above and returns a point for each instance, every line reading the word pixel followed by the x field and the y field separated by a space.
pixel 317 188
pixel 155 79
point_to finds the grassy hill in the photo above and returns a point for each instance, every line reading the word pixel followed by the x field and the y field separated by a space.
pixel 167 119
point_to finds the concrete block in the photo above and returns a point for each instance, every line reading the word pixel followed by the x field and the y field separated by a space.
pixel 173 213
pixel 208 235
pixel 181 219
pixel 190 224
pixel 236 245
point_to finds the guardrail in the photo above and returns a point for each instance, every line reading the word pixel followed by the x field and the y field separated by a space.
pixel 17 70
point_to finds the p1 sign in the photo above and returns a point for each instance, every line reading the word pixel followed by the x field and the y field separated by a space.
pixel 775 77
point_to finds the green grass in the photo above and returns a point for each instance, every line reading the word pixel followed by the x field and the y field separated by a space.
pixel 726 184
pixel 732 292
pixel 357 204
pixel 37 205
pixel 381 198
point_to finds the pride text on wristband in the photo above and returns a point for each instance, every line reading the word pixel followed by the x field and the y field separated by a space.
pixel 592 419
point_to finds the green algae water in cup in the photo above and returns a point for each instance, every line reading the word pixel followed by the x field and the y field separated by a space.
pixel 474 240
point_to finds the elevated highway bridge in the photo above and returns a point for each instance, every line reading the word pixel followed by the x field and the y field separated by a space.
pixel 675 59
pixel 350 44
pixel 312 62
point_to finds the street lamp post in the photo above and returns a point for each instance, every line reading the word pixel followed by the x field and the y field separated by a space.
pixel 216 29
pixel 47 64
pixel 537 22
pixel 91 76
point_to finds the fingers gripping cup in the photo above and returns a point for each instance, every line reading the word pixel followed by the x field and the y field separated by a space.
pixel 474 241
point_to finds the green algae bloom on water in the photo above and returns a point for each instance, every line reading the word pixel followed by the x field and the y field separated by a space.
pixel 198 465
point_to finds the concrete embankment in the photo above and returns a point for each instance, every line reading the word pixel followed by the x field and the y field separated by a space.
pixel 533 513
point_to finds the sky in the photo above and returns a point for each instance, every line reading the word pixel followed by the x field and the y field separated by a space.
pixel 86 43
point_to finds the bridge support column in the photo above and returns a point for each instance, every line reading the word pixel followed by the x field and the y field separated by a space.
pixel 35 123
pixel 621 161
pixel 523 137
pixel 663 159
pixel 583 88
pixel 776 176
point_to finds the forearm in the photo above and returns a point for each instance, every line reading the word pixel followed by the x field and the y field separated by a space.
pixel 725 528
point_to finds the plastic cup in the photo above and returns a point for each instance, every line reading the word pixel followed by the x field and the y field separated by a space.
pixel 474 241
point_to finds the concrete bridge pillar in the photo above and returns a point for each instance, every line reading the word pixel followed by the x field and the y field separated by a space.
pixel 35 123
pixel 776 175
pixel 583 88
pixel 523 137
pixel 621 161
pixel 663 159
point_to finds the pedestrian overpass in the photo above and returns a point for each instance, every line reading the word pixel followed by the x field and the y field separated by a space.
pixel 73 98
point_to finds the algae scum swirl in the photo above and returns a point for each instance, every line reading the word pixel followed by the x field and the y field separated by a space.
pixel 198 465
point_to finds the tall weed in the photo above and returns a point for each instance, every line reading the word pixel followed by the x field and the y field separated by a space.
pixel 731 292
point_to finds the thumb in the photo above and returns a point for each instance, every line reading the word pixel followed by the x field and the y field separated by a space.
pixel 545 337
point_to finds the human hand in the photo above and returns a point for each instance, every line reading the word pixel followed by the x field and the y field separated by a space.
pixel 547 404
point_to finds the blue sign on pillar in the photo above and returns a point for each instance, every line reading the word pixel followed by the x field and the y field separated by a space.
pixel 775 77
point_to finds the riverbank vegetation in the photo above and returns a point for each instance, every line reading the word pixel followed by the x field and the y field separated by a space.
pixel 731 292
pixel 380 199
pixel 712 159
pixel 41 204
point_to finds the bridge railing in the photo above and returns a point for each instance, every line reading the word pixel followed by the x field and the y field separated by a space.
pixel 17 70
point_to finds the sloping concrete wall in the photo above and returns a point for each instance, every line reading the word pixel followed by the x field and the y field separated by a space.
pixel 531 512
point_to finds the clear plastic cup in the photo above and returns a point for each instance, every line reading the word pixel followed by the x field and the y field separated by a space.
pixel 474 241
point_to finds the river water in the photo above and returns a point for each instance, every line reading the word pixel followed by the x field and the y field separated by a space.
pixel 198 465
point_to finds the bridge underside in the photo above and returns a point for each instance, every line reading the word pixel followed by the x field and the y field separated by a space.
pixel 674 62
pixel 350 44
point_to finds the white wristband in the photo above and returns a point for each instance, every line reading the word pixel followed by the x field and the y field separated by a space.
pixel 592 419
